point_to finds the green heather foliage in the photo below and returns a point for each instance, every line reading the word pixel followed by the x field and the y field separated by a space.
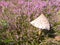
pixel 26 34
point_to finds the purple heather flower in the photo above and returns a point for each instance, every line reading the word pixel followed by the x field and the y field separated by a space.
pixel 31 7
pixel 3 3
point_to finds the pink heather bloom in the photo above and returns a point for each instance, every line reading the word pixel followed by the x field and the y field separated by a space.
pixel 21 2
pixel 3 3
pixel 36 6
pixel 31 6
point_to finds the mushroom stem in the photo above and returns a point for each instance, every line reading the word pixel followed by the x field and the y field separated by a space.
pixel 39 32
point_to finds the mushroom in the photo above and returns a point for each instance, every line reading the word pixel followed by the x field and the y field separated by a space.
pixel 41 22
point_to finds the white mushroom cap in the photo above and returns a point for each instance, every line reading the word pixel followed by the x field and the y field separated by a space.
pixel 41 22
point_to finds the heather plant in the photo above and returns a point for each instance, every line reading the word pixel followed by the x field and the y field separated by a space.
pixel 15 17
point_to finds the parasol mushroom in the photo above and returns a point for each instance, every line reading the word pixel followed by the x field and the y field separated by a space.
pixel 41 22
